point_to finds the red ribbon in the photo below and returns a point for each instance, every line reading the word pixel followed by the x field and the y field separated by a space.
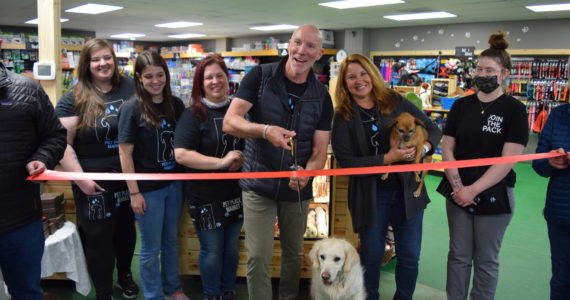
pixel 57 175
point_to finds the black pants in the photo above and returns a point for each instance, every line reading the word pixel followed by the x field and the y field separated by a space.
pixel 104 241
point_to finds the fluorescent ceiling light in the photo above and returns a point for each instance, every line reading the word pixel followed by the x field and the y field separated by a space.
pixel 274 27
pixel 186 35
pixel 178 24
pixel 127 35
pixel 358 3
pixel 549 7
pixel 421 16
pixel 93 8
pixel 35 21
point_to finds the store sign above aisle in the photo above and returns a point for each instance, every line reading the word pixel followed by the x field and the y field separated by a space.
pixel 464 51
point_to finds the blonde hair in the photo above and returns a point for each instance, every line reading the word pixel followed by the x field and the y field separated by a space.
pixel 382 95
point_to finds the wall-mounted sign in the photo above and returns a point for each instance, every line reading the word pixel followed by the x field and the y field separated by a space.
pixel 464 51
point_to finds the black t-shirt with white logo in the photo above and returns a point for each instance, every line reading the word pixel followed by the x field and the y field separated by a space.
pixel 97 146
pixel 153 147
pixel 213 203
pixel 483 135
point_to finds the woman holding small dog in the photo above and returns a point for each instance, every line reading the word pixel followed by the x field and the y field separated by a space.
pixel 489 123
pixel 360 138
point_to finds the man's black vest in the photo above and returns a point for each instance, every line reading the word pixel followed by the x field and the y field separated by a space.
pixel 272 108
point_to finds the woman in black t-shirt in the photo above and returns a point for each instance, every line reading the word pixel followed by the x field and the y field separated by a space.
pixel 146 136
pixel 480 199
pixel 215 205
pixel 104 217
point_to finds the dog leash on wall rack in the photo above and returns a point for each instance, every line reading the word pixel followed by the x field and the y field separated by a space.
pixel 295 167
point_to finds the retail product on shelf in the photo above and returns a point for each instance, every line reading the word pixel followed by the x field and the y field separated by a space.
pixel 539 79
pixel 181 77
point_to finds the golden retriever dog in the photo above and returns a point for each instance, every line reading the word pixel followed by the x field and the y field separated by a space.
pixel 408 132
pixel 337 273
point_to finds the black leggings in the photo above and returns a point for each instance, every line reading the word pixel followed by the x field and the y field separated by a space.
pixel 103 241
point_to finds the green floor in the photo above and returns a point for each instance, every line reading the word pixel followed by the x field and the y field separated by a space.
pixel 525 261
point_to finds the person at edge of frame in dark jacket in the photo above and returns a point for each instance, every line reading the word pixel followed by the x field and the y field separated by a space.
pixel 555 137
pixel 32 140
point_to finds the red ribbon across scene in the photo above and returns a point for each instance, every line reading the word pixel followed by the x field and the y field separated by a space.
pixel 57 175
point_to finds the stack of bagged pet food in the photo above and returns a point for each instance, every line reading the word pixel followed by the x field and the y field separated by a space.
pixel 53 212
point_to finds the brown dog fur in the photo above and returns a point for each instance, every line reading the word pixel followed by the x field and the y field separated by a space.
pixel 408 132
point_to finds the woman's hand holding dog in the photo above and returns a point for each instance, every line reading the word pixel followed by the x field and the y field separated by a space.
pixel 396 154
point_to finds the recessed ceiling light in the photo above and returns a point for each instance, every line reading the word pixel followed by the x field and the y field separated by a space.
pixel 93 8
pixel 178 24
pixel 35 21
pixel 421 16
pixel 127 35
pixel 358 3
pixel 549 7
pixel 186 35
pixel 274 27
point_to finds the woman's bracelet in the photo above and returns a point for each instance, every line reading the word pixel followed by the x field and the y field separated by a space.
pixel 264 133
pixel 135 193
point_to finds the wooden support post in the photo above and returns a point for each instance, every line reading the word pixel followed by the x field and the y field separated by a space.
pixel 49 36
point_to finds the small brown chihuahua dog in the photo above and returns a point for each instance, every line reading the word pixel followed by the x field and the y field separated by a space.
pixel 408 132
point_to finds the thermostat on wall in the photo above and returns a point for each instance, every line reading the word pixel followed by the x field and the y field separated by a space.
pixel 44 70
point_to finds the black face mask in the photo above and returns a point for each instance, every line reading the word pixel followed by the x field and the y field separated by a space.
pixel 486 84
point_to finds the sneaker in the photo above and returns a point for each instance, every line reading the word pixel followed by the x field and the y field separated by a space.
pixel 128 286
pixel 229 295
pixel 179 296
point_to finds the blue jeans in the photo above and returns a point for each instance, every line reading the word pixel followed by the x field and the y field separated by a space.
pixel 559 236
pixel 408 240
pixel 219 258
pixel 159 238
pixel 21 254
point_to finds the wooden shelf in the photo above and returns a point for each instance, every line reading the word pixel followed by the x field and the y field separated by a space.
pixel 250 53
pixel 435 108
pixel 12 46
pixel 184 55
pixel 266 53
pixel 477 52
pixel 330 51
pixel 413 53
pixel 72 47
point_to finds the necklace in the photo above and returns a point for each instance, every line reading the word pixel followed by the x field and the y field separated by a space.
pixel 372 117
pixel 486 107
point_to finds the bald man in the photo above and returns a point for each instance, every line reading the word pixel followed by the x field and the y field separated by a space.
pixel 283 100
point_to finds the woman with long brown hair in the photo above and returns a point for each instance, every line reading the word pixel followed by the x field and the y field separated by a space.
pixel 106 222
pixel 146 137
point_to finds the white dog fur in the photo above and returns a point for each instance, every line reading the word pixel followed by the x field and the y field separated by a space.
pixel 337 273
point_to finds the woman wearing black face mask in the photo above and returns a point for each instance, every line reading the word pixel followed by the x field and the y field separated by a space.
pixel 480 202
